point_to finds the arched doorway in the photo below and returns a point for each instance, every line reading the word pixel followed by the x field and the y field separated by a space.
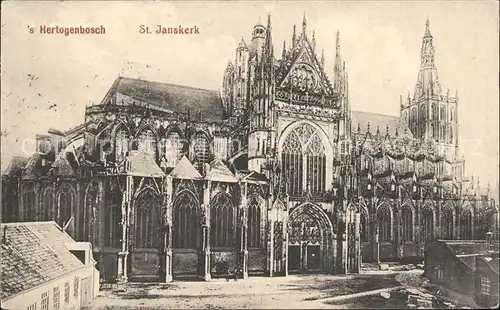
pixel 310 234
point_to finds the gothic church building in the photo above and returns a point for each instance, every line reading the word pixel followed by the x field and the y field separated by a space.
pixel 273 175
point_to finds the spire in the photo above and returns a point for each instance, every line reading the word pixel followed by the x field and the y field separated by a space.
pixel 283 54
pixel 427 52
pixel 294 37
pixel 242 44
pixel 427 29
pixel 337 67
pixel 269 39
pixel 304 23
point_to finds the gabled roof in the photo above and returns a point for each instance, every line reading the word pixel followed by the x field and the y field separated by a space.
pixel 16 164
pixel 380 120
pixel 33 254
pixel 63 166
pixel 220 172
pixel 142 164
pixel 176 98
pixel 185 170
pixel 491 261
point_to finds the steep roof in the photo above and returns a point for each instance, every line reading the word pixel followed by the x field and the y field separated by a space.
pixel 33 254
pixel 16 164
pixel 380 120
pixel 185 170
pixel 142 164
pixel 220 172
pixel 172 97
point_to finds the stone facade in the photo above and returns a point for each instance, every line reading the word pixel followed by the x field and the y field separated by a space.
pixel 276 174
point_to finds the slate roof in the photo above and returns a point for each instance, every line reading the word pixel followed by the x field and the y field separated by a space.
pixel 380 120
pixel 16 164
pixel 220 172
pixel 172 97
pixel 142 164
pixel 185 170
pixel 34 253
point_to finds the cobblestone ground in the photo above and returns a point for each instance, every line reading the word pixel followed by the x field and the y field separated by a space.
pixel 298 292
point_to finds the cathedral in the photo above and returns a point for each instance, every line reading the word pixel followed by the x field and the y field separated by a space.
pixel 273 175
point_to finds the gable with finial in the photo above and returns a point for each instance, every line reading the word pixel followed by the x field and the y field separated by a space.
pixel 301 70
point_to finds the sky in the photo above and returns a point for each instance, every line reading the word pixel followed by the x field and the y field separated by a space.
pixel 47 80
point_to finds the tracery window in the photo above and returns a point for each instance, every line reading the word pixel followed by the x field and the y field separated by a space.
pixel 384 223
pixel 201 150
pixel 363 229
pixel 303 161
pixel 90 203
pixel 220 147
pixel 466 225
pixel 65 202
pixel 29 206
pixel 173 149
pixel 48 205
pixel 254 214
pixel 147 231
pixel 221 221
pixel 407 222
pixel 185 221
pixel 112 219
pixel 443 113
pixel 147 142
pixel 447 225
pixel 121 144
pixel 427 223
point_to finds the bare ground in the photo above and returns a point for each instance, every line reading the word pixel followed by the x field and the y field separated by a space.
pixel 299 292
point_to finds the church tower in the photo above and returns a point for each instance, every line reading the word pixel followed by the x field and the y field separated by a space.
pixel 261 103
pixel 432 114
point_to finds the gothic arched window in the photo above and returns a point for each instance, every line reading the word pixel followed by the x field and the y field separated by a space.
pixel 48 205
pixel 443 113
pixel 121 144
pixel 65 203
pixel 221 221
pixel 29 206
pixel 407 222
pixel 254 214
pixel 147 142
pixel 303 161
pixel 363 229
pixel 90 204
pixel 384 223
pixel 112 219
pixel 173 149
pixel 413 119
pixel 451 114
pixel 466 225
pixel 451 135
pixel 185 221
pixel 148 221
pixel 447 225
pixel 427 223
pixel 201 150
pixel 433 131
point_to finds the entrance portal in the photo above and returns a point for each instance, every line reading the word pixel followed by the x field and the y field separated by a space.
pixel 310 239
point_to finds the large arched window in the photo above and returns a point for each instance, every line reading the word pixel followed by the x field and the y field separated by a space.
pixel 201 150
pixel 427 223
pixel 90 203
pixel 148 220
pixel 363 227
pixel 65 204
pixel 147 142
pixel 303 161
pixel 222 221
pixel 173 149
pixel 466 224
pixel 121 144
pixel 185 221
pixel 384 223
pixel 254 214
pixel 29 206
pixel 48 205
pixel 407 223
pixel 447 224
pixel 112 219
